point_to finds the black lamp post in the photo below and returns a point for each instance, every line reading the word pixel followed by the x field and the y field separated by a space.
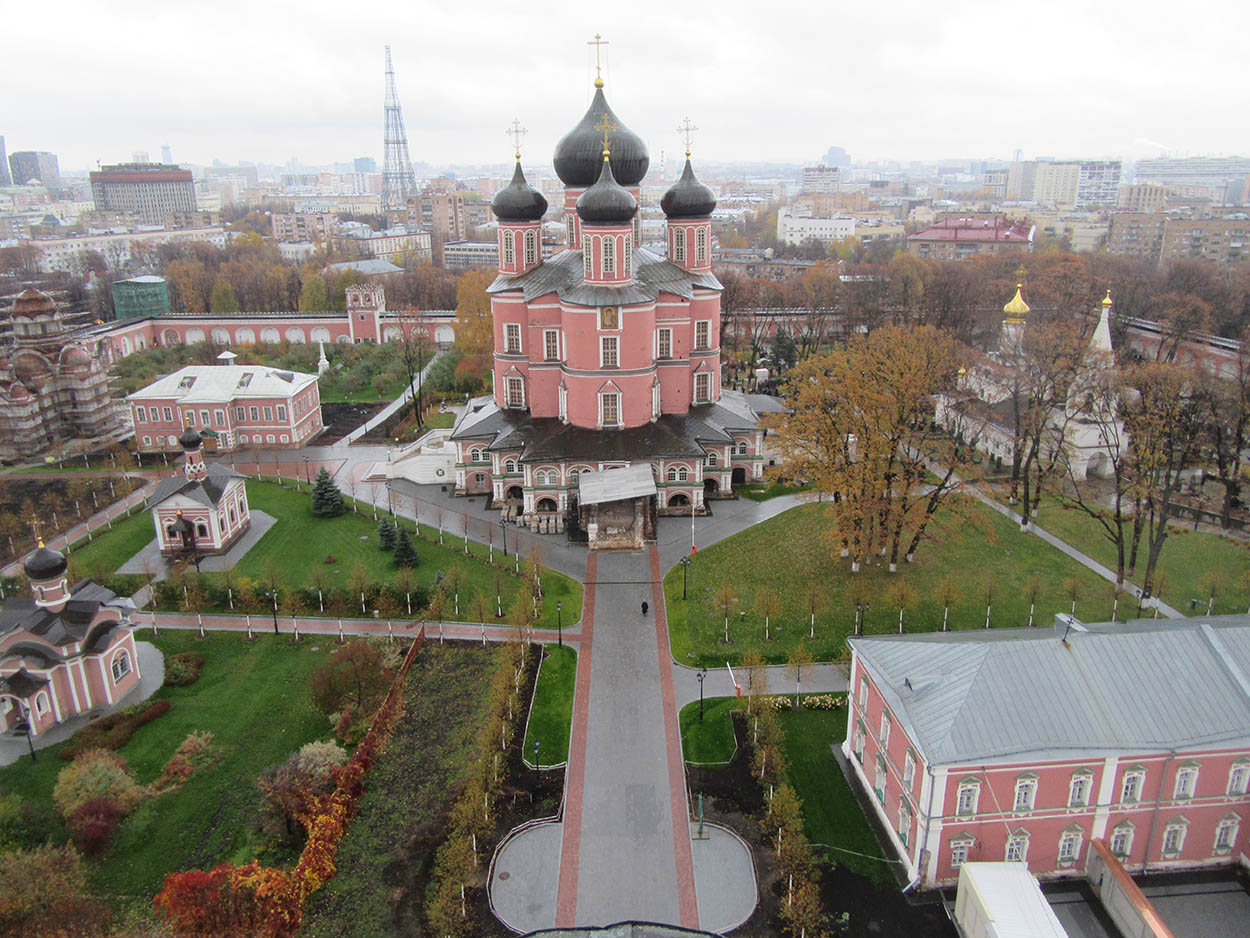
pixel 538 774
pixel 701 674
pixel 503 533
pixel 685 562
pixel 26 723
pixel 559 623
pixel 273 595
pixel 307 471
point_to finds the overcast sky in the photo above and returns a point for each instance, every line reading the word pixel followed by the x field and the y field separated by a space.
pixel 776 80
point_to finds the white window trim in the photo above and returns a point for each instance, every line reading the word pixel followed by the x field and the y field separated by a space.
pixel 960 848
pixel 1029 786
pixel 1022 839
pixel 1126 830
pixel 706 326
pixel 507 391
pixel 551 337
pixel 1185 792
pixel 972 787
pixel 703 396
pixel 1232 824
pixel 1076 838
pixel 615 343
pixel 664 332
pixel 884 735
pixel 1085 777
pixel 1239 786
pixel 909 770
pixel 531 248
pixel 679 245
pixel 608 246
pixel 512 330
pixel 1181 829
pixel 1138 778
pixel 603 396
pixel 700 244
pixel 588 255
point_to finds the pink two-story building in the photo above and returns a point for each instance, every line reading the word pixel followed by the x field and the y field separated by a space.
pixel 1024 744
pixel 607 355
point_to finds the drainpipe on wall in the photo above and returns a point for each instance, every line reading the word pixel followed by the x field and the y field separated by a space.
pixel 1154 816
pixel 928 820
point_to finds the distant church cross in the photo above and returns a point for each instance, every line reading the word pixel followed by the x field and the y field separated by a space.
pixel 686 130
pixel 598 44
pixel 515 132
pixel 607 125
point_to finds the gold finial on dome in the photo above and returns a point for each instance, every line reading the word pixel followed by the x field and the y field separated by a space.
pixel 686 130
pixel 515 132
pixel 597 43
pixel 607 125
pixel 38 541
pixel 1106 300
pixel 1016 309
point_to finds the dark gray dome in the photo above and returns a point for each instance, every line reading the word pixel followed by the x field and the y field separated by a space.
pixel 688 198
pixel 606 202
pixel 580 151
pixel 45 564
pixel 190 438
pixel 518 201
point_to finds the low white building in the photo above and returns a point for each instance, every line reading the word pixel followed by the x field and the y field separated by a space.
pixel 795 229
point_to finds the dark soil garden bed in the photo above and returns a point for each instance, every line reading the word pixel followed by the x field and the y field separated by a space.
pixel 342 419
pixel 732 796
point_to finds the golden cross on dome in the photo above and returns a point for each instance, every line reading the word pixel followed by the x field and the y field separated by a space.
pixel 607 125
pixel 598 43
pixel 686 130
pixel 515 132
pixel 1021 273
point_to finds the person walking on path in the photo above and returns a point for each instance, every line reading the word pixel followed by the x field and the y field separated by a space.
pixel 644 607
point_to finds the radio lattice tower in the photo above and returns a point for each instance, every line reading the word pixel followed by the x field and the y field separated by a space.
pixel 398 182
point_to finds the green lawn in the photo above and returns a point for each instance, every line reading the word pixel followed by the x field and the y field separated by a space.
pixel 551 715
pixel 253 697
pixel 1187 555
pixel 791 554
pixel 762 492
pixel 711 741
pixel 831 814
pixel 402 816
pixel 296 547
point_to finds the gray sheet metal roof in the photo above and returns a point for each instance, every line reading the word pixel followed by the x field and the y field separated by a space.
pixel 565 276
pixel 207 493
pixel 968 697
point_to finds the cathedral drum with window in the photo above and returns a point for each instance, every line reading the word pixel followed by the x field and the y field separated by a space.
pixel 607 355
pixel 64 651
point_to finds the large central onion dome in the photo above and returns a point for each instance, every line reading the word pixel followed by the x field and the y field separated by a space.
pixel 31 303
pixel 688 198
pixel 606 202
pixel 518 201
pixel 578 153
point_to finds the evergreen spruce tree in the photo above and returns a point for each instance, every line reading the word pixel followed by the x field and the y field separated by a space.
pixel 327 499
pixel 405 554
pixel 386 534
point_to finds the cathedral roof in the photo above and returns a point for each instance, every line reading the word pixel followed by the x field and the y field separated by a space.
pixel 606 202
pixel 564 275
pixel 207 492
pixel 518 201
pixel 44 563
pixel 65 627
pixel 688 198
pixel 580 151
pixel 31 302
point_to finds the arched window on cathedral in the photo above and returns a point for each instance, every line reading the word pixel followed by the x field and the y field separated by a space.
pixel 682 474
pixel 672 473
pixel 531 248
pixel 609 255
pixel 509 466
pixel 712 459
pixel 700 244
pixel 587 256
pixel 509 253
pixel 627 262
pixel 679 245
pixel 742 447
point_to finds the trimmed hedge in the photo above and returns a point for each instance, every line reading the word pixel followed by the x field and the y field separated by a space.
pixel 113 731
pixel 183 669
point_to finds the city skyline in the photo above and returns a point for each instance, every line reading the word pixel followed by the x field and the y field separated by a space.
pixel 1095 82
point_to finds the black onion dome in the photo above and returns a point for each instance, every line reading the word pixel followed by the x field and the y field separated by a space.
pixel 190 438
pixel 518 201
pixel 688 198
pixel 606 202
pixel 580 151
pixel 45 564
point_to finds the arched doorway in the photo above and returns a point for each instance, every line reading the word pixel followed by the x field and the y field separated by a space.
pixel 739 475
pixel 546 505
pixel 679 500
pixel 710 487
pixel 514 493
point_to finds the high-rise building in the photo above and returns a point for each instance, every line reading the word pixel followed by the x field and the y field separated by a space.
pixel 167 154
pixel 821 179
pixel 365 164
pixel 5 178
pixel 140 156
pixel 148 190
pixel 37 165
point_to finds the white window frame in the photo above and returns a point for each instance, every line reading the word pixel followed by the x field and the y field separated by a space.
pixel 863 686
pixel 884 735
pixel 240 413
pixel 959 851
pixel 509 249
pixel 882 779
pixel 609 255
pixel 255 413
pixel 268 414
pixel 603 408
pixel 1226 833
pixel 120 666
pixel 1123 834
pixel 512 338
pixel 1070 846
pixel 1025 795
pixel 551 344
pixel 909 770
pixel 966 800
pixel 1080 786
pixel 169 415
pixel 141 414
pixel 700 244
pixel 713 461
pixel 281 411
pixel 904 821
pixel 609 351
pixel 189 418
pixel 1134 779
pixel 1174 838
pixel 1017 849
pixel 531 248
pixel 563 395
pixel 861 737
pixel 1186 783
pixel 679 245
pixel 1239 778
pixel 703 334
pixel 664 342
pixel 511 383
pixel 588 256
pixel 627 260
pixel 703 395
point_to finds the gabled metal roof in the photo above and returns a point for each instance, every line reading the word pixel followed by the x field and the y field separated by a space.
pixel 1001 695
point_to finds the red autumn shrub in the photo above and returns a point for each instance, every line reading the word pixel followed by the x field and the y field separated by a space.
pixel 94 823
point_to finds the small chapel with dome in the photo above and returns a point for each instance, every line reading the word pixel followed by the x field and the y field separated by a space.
pixel 607 408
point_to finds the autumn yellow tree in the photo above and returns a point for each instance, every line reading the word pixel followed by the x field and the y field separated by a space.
pixel 474 328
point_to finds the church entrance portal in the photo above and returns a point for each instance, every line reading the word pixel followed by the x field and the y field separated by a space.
pixel 514 493
pixel 710 488
pixel 545 504
pixel 739 475
pixel 680 500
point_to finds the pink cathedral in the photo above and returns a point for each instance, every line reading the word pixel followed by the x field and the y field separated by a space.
pixel 607 355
